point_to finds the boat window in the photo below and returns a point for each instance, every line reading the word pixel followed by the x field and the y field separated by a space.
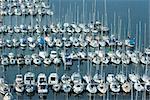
pixel 53 78
pixel 43 86
pixel 29 78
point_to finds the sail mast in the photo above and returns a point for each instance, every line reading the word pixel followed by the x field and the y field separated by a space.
pixel 105 9
pixel 129 23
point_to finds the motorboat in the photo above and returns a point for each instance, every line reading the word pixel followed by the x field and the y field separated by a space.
pixel 42 84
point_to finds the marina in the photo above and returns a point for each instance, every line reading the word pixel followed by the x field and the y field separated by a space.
pixel 52 50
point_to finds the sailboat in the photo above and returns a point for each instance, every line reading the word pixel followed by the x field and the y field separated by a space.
pixel 53 79
pixel 42 84
pixel 78 86
pixel 8 96
pixel 4 88
pixel 19 83
pixel 29 81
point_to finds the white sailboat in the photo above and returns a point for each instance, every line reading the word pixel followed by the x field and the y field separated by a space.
pixel 19 83
pixel 8 96
pixel 4 88
pixel 126 87
pixel 29 81
pixel 42 84
pixel 53 79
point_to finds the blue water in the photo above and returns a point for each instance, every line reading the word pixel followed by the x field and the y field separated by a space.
pixel 72 11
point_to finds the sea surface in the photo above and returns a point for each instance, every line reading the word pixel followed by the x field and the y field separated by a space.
pixel 73 11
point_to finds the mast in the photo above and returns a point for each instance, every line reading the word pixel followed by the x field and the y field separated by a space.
pixel 105 9
pixel 83 10
pixel 94 11
pixel 140 36
pixel 129 23
pixel 136 37
pixel 145 28
pixel 114 23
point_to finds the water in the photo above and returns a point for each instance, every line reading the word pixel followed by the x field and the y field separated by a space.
pixel 139 12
